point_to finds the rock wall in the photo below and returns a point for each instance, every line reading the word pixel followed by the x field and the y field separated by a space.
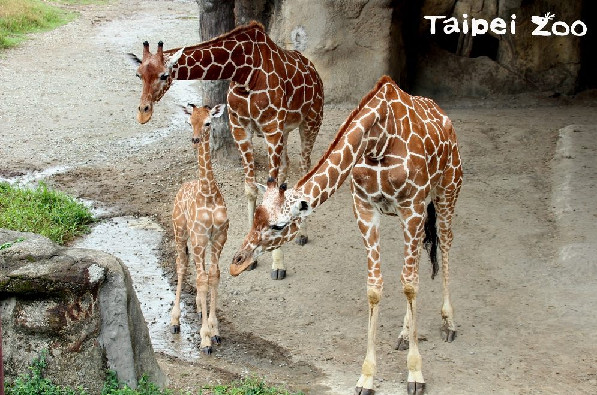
pixel 534 63
pixel 77 304
pixel 353 42
pixel 349 41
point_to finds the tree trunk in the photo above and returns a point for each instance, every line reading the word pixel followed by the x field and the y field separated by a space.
pixel 217 17
pixel 246 11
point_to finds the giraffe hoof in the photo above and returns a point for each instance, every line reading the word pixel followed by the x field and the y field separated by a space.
pixel 217 340
pixel 279 274
pixel 364 391
pixel 252 266
pixel 175 329
pixel 206 350
pixel 414 388
pixel 448 335
pixel 302 240
pixel 402 344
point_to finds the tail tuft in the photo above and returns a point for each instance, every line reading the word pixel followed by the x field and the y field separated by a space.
pixel 431 239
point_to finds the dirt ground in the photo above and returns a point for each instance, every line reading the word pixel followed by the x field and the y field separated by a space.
pixel 526 316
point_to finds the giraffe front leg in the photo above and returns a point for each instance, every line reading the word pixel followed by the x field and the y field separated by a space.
pixel 413 226
pixel 278 268
pixel 201 298
pixel 181 269
pixel 212 321
pixel 214 281
pixel 403 337
pixel 368 221
pixel 369 368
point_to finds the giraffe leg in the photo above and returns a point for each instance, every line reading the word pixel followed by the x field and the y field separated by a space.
pixel 307 134
pixel 274 137
pixel 403 337
pixel 181 269
pixel 214 281
pixel 413 220
pixel 202 288
pixel 278 268
pixel 445 212
pixel 243 142
pixel 368 221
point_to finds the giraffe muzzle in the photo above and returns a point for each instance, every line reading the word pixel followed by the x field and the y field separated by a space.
pixel 144 113
pixel 240 262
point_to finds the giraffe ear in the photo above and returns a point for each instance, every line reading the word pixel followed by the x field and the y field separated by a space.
pixel 300 208
pixel 261 188
pixel 135 61
pixel 173 59
pixel 217 111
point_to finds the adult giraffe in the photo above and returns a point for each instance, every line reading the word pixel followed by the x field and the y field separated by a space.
pixel 402 152
pixel 272 91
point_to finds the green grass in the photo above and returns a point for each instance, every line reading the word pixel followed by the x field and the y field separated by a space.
pixel 247 386
pixel 20 17
pixel 42 210
pixel 34 383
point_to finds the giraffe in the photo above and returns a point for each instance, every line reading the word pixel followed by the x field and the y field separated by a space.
pixel 402 153
pixel 272 92
pixel 199 217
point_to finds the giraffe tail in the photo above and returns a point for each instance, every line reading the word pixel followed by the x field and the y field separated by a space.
pixel 431 239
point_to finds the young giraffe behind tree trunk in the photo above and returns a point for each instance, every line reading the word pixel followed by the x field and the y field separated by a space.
pixel 200 219
pixel 402 152
pixel 272 91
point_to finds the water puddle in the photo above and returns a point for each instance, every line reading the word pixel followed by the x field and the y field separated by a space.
pixel 136 242
pixel 33 177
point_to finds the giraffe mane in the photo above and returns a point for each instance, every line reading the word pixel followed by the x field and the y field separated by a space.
pixel 380 83
pixel 240 29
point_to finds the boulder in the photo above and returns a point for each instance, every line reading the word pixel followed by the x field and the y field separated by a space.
pixel 77 304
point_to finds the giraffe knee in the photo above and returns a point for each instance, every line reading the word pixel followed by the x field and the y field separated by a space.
pixel 373 296
pixel 410 292
pixel 251 191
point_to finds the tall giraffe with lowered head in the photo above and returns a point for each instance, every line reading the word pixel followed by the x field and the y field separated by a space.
pixel 200 219
pixel 402 153
pixel 272 91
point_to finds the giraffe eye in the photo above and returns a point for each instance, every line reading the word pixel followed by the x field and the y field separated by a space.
pixel 138 75
pixel 278 227
pixel 164 76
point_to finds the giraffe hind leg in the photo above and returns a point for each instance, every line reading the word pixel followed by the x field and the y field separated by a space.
pixel 445 212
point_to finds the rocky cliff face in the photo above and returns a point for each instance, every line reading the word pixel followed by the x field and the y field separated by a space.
pixel 77 304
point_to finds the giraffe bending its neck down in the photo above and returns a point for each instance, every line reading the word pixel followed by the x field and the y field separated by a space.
pixel 199 217
pixel 272 91
pixel 402 152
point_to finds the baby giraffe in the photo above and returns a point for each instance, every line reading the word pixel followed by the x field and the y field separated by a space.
pixel 200 218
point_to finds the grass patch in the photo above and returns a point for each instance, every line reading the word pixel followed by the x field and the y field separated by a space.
pixel 42 210
pixel 34 383
pixel 20 17
pixel 247 386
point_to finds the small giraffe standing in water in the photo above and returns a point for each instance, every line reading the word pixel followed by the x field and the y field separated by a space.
pixel 199 217
pixel 402 153
pixel 272 92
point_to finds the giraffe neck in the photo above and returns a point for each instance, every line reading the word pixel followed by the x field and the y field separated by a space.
pixel 233 56
pixel 359 134
pixel 206 175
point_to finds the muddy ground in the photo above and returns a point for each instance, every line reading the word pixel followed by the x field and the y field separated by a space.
pixel 525 312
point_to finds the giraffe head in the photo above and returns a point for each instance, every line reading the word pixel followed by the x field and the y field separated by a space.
pixel 155 71
pixel 200 119
pixel 277 221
